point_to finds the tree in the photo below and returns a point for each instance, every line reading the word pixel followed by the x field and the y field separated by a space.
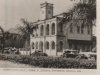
pixel 87 13
pixel 2 38
pixel 80 14
pixel 26 30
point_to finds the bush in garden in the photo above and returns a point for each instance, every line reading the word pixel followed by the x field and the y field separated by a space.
pixel 39 53
pixel 51 62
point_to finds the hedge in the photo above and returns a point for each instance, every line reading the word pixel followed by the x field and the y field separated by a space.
pixel 51 62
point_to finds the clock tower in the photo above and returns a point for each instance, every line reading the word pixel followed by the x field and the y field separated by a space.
pixel 46 11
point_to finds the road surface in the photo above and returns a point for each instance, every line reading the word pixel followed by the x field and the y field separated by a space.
pixel 8 64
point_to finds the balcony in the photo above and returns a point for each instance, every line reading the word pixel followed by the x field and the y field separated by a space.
pixel 79 37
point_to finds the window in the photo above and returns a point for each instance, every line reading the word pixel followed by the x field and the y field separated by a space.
pixel 61 28
pixel 41 30
pixel 78 29
pixel 36 45
pixel 53 45
pixel 47 45
pixel 47 29
pixel 82 29
pixel 41 46
pixel 76 47
pixel 49 11
pixel 70 46
pixel 53 29
pixel 71 29
pixel 32 45
pixel 36 32
pixel 88 48
pixel 61 46
pixel 83 48
pixel 88 29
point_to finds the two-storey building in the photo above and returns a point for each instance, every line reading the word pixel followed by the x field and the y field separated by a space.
pixel 52 35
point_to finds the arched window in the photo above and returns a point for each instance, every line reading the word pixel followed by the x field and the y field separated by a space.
pixel 41 46
pixel 47 45
pixel 53 45
pixel 41 30
pixel 53 29
pixel 36 45
pixel 33 45
pixel 47 29
pixel 61 46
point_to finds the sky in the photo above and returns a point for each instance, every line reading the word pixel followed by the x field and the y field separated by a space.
pixel 11 11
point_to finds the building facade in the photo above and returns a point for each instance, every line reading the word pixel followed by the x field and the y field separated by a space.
pixel 53 36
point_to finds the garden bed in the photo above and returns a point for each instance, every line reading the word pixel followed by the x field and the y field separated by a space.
pixel 51 62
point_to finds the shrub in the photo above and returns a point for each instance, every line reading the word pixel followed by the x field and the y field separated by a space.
pixel 39 53
pixel 51 62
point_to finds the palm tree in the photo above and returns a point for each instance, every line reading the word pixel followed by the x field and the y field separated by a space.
pixel 26 30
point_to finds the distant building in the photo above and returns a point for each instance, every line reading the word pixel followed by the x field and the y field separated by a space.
pixel 52 36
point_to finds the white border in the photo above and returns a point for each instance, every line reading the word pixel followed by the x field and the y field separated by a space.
pixel 42 71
